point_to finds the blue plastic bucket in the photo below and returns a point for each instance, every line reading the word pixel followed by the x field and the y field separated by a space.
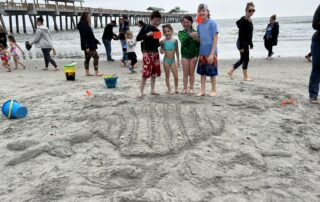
pixel 14 110
pixel 111 82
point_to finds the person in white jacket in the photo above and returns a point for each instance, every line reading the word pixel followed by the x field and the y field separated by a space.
pixel 43 41
pixel 131 51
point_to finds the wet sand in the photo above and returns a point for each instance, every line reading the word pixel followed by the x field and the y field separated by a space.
pixel 112 146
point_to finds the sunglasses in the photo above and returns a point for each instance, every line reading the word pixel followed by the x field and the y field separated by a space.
pixel 251 11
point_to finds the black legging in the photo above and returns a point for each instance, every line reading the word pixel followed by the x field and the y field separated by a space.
pixel 268 44
pixel 244 59
pixel 133 57
pixel 47 57
pixel 91 54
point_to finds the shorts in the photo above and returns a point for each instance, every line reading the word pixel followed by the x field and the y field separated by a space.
pixel 5 58
pixel 205 69
pixel 151 65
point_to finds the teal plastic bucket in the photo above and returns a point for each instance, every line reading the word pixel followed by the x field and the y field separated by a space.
pixel 14 110
pixel 111 82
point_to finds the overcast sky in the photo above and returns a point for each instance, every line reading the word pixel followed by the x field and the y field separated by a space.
pixel 219 8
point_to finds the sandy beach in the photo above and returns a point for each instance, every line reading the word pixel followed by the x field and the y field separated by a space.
pixel 112 146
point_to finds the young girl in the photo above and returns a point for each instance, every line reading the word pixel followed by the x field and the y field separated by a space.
pixel 14 52
pixel 244 43
pixel 170 47
pixel 131 51
pixel 4 57
pixel 189 52
pixel 208 64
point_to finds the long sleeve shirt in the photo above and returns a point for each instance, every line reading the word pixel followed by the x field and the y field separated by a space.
pixel 149 43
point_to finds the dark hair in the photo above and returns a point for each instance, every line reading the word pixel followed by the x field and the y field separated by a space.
pixel 274 17
pixel 40 19
pixel 140 22
pixel 250 4
pixel 155 14
pixel 84 17
pixel 204 6
pixel 11 38
pixel 167 26
pixel 125 17
pixel 188 17
pixel 114 22
pixel 2 46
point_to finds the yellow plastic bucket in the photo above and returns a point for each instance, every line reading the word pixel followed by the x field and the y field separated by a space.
pixel 70 71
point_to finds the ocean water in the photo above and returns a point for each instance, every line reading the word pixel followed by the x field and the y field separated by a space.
pixel 294 39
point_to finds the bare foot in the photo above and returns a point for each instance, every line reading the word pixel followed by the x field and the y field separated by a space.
pixel 191 91
pixel 201 94
pixel 317 102
pixel 45 69
pixel 98 74
pixel 9 70
pixel 230 75
pixel 56 69
pixel 170 92
pixel 248 79
pixel 89 74
pixel 141 95
pixel 213 94
pixel 154 93
pixel 184 91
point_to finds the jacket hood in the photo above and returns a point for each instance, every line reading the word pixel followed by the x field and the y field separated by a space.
pixel 240 21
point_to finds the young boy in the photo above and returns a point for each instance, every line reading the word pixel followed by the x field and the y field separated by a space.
pixel 151 59
pixel 131 51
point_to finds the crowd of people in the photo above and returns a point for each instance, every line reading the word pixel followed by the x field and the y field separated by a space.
pixel 198 49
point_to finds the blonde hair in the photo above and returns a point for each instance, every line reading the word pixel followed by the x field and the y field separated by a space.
pixel 250 4
pixel 128 34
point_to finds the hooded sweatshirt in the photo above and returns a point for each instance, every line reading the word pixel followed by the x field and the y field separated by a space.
pixel 43 38
pixel 316 25
pixel 245 32
pixel 87 38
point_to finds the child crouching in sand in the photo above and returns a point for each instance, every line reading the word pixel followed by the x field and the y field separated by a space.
pixel 14 52
pixel 151 58
pixel 4 57
pixel 208 62
pixel 131 51
pixel 170 47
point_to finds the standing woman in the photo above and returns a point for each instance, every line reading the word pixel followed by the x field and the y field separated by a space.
pixel 189 52
pixel 315 50
pixel 3 37
pixel 244 43
pixel 271 36
pixel 43 41
pixel 89 44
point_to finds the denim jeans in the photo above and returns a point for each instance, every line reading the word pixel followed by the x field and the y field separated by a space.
pixel 315 73
pixel 124 46
pixel 107 45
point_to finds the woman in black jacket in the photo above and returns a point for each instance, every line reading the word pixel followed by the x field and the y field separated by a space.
pixel 3 37
pixel 271 36
pixel 315 51
pixel 244 43
pixel 88 43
